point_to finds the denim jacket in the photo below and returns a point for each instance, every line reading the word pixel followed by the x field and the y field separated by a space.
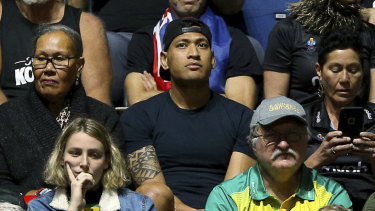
pixel 123 200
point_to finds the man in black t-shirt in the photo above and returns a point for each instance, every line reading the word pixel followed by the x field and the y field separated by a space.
pixel 123 17
pixel 189 137
pixel 237 67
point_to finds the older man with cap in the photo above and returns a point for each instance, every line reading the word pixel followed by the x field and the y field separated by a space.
pixel 279 180
pixel 189 138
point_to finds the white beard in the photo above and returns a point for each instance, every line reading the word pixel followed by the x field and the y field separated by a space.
pixel 30 2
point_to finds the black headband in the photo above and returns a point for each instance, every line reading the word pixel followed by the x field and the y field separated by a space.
pixel 186 25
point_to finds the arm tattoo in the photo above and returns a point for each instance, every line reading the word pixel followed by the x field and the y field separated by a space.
pixel 143 164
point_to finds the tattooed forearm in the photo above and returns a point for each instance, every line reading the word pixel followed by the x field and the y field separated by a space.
pixel 143 164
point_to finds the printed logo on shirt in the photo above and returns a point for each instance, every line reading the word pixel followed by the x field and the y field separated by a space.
pixel 346 168
pixel 369 116
pixel 320 137
pixel 24 74
pixel 318 117
pixel 311 45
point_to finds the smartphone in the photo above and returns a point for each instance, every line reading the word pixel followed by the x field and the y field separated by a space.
pixel 351 121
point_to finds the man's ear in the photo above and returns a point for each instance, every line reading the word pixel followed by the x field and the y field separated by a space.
pixel 164 60
pixel 213 60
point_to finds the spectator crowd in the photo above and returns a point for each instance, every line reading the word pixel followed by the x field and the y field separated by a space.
pixel 187 105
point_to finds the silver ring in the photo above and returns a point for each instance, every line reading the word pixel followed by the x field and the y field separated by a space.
pixel 333 151
pixel 77 178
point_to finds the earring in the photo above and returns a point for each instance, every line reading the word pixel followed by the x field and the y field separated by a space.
pixel 321 89
pixel 76 82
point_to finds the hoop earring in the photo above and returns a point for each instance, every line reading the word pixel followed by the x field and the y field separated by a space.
pixel 320 89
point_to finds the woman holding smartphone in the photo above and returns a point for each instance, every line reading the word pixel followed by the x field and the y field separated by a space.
pixel 348 160
pixel 88 171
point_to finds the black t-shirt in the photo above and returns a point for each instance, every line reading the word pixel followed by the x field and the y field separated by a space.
pixel 193 146
pixel 293 50
pixel 353 172
pixel 130 15
pixel 242 56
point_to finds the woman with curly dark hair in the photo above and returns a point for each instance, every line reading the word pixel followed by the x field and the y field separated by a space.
pixel 348 160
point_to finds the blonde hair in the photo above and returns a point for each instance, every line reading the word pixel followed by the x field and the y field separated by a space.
pixel 114 177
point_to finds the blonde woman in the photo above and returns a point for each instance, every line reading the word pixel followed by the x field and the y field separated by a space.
pixel 89 173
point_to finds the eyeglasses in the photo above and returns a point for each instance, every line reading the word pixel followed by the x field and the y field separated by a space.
pixel 57 62
pixel 275 138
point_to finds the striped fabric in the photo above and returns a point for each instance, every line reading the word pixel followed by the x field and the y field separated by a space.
pixel 247 192
pixel 158 35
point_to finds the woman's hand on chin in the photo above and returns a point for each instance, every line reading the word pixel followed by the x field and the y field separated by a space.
pixel 78 186
pixel 332 147
pixel 365 146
